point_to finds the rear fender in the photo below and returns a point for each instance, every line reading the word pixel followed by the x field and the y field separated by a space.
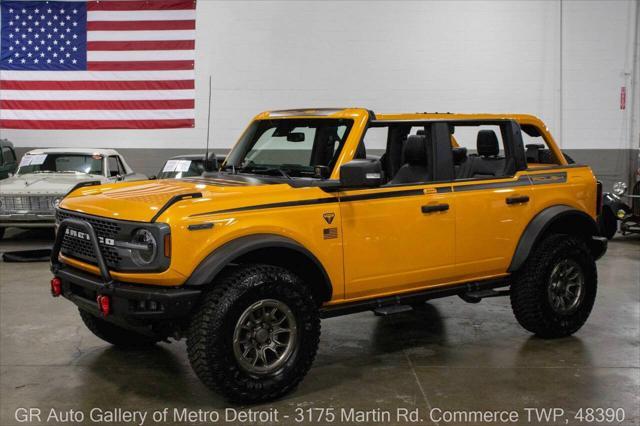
pixel 560 219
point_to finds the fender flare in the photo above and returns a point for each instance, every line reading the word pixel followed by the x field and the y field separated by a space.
pixel 541 223
pixel 224 255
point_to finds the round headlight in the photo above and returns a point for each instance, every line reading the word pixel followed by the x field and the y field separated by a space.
pixel 619 188
pixel 144 257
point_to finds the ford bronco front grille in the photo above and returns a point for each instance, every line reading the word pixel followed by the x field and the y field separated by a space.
pixel 82 249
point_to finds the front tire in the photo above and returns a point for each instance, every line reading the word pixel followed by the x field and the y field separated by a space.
pixel 115 335
pixel 553 294
pixel 255 335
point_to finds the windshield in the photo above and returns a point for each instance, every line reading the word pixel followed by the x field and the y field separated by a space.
pixel 289 147
pixel 61 163
pixel 176 169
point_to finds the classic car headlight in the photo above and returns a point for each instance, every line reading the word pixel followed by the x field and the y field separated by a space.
pixel 144 256
pixel 619 188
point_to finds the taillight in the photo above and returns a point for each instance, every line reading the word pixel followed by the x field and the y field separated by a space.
pixel 598 198
pixel 104 304
pixel 56 286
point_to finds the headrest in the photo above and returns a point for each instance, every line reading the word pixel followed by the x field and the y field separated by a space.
pixel 415 150
pixel 488 143
pixel 459 155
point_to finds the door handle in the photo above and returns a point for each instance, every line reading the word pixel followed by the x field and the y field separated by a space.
pixel 432 208
pixel 520 199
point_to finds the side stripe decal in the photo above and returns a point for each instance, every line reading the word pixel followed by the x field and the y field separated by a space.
pixel 524 180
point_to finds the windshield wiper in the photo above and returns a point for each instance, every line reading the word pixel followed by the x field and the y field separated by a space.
pixel 265 170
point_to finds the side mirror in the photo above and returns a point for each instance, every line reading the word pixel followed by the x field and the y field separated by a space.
pixel 153 177
pixel 361 174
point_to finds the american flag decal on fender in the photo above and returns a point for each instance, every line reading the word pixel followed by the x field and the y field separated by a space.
pixel 330 233
pixel 97 65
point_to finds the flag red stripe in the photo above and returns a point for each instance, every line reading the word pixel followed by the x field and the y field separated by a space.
pixel 139 65
pixel 95 124
pixel 142 45
pixel 97 85
pixel 140 25
pixel 98 105
pixel 141 5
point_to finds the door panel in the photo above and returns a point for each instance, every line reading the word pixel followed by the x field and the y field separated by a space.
pixel 491 217
pixel 402 241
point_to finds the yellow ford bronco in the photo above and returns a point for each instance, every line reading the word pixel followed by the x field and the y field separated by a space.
pixel 302 222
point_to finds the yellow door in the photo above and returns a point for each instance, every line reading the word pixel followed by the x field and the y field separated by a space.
pixel 491 216
pixel 397 239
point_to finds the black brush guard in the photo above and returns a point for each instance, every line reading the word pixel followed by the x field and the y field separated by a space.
pixel 133 305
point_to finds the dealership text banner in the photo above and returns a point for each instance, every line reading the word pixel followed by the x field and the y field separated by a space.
pixel 106 64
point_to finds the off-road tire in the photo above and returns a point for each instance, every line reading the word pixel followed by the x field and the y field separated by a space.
pixel 210 335
pixel 115 335
pixel 529 299
pixel 608 223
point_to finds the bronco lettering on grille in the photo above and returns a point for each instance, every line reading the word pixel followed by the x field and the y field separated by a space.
pixel 84 236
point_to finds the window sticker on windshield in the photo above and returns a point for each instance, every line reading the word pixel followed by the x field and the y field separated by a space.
pixel 183 166
pixel 177 166
pixel 170 166
pixel 37 159
pixel 25 161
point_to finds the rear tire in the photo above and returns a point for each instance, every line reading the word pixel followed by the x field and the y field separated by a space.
pixel 115 335
pixel 553 294
pixel 236 340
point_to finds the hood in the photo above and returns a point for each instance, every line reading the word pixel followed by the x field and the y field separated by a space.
pixel 141 201
pixel 44 183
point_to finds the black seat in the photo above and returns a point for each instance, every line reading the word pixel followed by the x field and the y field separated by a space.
pixel 416 162
pixel 459 155
pixel 487 163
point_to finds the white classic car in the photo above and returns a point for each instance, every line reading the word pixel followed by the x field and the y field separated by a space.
pixel 44 176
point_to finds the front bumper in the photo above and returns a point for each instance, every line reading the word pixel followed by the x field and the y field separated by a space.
pixel 132 305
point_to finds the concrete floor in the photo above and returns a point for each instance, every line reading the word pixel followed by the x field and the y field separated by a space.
pixel 448 356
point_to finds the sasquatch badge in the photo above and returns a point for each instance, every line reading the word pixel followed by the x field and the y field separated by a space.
pixel 328 217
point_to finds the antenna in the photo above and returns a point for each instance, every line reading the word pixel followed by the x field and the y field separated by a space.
pixel 207 163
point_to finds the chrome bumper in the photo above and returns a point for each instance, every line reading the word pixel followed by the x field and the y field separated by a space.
pixel 28 220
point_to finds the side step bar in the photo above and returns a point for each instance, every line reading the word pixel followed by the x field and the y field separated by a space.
pixel 411 298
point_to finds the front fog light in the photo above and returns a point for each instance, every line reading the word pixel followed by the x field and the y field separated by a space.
pixel 619 188
pixel 144 256
pixel 621 213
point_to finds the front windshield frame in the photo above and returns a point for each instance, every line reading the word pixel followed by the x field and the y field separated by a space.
pixel 236 160
pixel 50 164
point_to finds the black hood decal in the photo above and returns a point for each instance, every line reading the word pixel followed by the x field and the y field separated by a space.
pixel 227 179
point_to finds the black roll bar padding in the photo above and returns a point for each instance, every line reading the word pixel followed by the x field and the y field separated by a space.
pixel 85 226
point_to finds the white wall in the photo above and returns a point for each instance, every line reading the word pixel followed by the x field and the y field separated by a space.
pixel 393 56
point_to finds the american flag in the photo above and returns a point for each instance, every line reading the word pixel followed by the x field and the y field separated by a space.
pixel 109 64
